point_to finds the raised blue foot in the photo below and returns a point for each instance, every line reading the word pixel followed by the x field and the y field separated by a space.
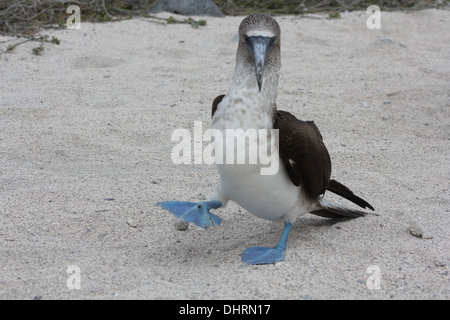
pixel 263 255
pixel 197 213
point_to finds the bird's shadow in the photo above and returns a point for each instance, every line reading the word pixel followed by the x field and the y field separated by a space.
pixel 304 229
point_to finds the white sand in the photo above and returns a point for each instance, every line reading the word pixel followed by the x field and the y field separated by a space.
pixel 91 119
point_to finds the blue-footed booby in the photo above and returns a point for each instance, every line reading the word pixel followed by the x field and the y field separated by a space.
pixel 304 173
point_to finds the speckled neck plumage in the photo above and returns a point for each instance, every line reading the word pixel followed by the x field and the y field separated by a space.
pixel 244 106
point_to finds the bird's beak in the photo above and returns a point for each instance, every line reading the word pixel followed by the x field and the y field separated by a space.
pixel 259 47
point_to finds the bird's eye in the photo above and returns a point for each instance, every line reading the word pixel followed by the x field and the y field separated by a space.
pixel 247 39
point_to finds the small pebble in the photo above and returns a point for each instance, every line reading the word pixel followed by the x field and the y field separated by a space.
pixel 181 225
pixel 307 297
pixel 439 263
pixel 415 230
pixel 132 223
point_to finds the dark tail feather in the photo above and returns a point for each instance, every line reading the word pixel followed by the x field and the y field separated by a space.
pixel 343 191
pixel 333 210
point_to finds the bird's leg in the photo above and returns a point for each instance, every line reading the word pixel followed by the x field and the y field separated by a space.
pixel 197 213
pixel 263 255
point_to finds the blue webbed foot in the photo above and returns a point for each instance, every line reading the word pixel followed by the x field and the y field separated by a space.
pixel 262 255
pixel 197 213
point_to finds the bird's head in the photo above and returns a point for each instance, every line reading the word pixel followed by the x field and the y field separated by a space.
pixel 259 43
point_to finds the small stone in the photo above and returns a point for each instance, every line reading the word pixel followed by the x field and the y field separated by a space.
pixel 181 225
pixel 439 263
pixel 201 196
pixel 307 297
pixel 132 223
pixel 415 230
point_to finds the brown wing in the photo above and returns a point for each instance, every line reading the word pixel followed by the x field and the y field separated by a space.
pixel 215 103
pixel 303 153
pixel 339 189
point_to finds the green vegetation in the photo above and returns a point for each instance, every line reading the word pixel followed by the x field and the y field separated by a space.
pixel 36 50
pixel 25 18
pixel 243 7
pixel 194 23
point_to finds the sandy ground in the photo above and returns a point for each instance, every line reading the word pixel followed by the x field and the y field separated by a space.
pixel 85 155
